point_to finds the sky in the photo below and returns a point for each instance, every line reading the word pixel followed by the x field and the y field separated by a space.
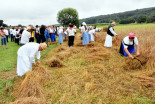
pixel 38 12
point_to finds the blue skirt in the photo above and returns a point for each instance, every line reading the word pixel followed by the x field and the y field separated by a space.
pixel 89 37
pixel 60 38
pixel 52 37
pixel 85 38
pixel 131 49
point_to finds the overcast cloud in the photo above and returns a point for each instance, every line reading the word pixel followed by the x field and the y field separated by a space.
pixel 26 12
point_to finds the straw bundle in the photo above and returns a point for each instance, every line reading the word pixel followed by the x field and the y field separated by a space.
pixel 131 64
pixel 55 62
pixel 105 29
pixel 30 100
pixel 30 87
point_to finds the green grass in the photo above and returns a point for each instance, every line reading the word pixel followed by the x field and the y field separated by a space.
pixel 8 57
pixel 8 62
pixel 6 89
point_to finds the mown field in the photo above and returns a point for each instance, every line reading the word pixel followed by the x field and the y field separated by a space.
pixel 89 75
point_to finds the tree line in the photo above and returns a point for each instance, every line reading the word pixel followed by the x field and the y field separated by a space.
pixel 139 16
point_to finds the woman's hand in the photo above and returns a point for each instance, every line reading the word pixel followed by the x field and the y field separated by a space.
pixel 38 61
pixel 137 54
pixel 131 57
pixel 34 64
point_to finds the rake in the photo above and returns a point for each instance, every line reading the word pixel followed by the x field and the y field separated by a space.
pixel 138 60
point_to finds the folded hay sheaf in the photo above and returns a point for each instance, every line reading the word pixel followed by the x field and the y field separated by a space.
pixel 133 64
pixel 146 81
pixel 91 44
pixel 98 54
pixel 63 53
pixel 53 43
pixel 30 100
pixel 79 44
pixel 30 87
pixel 105 29
pixel 30 91
pixel 67 53
pixel 55 62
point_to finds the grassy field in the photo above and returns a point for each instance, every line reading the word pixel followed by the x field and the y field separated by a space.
pixel 8 75
pixel 87 75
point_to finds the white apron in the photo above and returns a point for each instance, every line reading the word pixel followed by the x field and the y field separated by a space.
pixel 108 41
pixel 23 65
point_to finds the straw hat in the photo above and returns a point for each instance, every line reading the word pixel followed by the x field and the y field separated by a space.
pixel 113 23
pixel 28 28
pixel 43 45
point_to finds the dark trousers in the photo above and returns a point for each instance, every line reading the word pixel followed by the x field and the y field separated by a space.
pixel 11 37
pixel 17 40
pixel 7 38
pixel 37 38
pixel 31 39
pixel 47 41
pixel 42 38
pixel 71 41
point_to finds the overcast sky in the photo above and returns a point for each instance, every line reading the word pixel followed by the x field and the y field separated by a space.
pixel 26 12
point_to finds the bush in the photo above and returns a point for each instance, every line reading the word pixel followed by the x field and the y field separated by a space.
pixel 141 19
pixel 152 17
pixel 127 21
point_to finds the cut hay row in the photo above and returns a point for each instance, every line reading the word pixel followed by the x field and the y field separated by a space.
pixel 30 100
pixel 63 52
pixel 30 91
pixel 91 75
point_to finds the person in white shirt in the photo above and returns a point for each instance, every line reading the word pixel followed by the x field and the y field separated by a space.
pixel 26 56
pixel 14 33
pixel 110 34
pixel 60 34
pixel 52 33
pixel 75 28
pixel 85 34
pixel 129 45
pixel 92 34
pixel 25 36
pixel 7 33
pixel 17 38
pixel 71 33
pixel 11 34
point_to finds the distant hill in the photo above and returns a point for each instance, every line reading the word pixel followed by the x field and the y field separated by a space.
pixel 118 16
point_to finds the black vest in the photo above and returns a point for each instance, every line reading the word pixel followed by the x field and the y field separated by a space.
pixel 109 32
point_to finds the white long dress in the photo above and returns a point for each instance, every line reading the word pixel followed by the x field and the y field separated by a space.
pixel 26 56
pixel 108 40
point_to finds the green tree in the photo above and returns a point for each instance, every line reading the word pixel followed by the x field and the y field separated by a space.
pixel 141 18
pixel 5 25
pixel 152 17
pixel 1 22
pixel 68 15
pixel 127 21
